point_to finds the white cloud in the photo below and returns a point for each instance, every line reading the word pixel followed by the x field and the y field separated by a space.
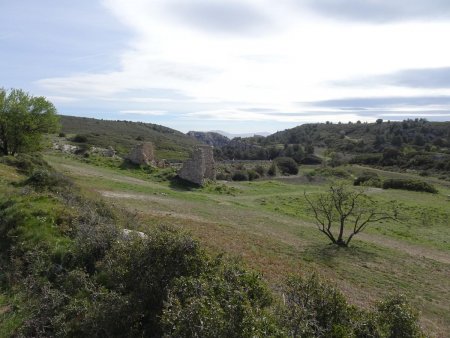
pixel 297 60
pixel 144 112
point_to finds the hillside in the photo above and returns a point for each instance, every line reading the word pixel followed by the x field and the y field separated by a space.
pixel 123 135
pixel 210 138
pixel 408 145
pixel 367 137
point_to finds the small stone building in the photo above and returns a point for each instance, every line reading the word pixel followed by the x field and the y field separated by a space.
pixel 200 167
pixel 143 153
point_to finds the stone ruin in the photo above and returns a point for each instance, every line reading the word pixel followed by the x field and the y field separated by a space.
pixel 143 153
pixel 200 167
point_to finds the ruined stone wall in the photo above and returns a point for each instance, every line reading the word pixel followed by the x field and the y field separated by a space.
pixel 143 153
pixel 200 167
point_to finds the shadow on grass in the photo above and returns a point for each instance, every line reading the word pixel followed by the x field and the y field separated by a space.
pixel 178 184
pixel 331 254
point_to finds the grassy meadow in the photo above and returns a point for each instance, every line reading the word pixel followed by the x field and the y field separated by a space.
pixel 267 224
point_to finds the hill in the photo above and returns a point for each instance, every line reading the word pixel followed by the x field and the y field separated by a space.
pixel 408 145
pixel 123 135
pixel 210 138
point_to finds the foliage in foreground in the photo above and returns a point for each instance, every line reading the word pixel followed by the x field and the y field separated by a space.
pixel 23 121
pixel 70 271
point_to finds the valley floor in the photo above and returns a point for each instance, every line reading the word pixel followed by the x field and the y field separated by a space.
pixel 266 224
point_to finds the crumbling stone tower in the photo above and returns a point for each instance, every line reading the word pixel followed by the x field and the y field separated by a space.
pixel 143 153
pixel 200 167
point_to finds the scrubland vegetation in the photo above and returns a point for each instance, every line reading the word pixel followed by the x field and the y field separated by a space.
pixel 95 246
pixel 70 270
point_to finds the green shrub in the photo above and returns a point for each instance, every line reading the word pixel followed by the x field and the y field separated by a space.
pixel 26 163
pixel 222 176
pixel 43 179
pixel 287 165
pixel 333 172
pixel 260 170
pixel 367 159
pixel 240 175
pixel 314 308
pixel 252 175
pixel 398 319
pixel 273 170
pixel 224 302
pixel 80 138
pixel 409 184
pixel 368 178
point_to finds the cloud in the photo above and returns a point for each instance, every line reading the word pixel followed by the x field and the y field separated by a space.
pixel 384 102
pixel 144 112
pixel 216 16
pixel 290 117
pixel 381 11
pixel 427 78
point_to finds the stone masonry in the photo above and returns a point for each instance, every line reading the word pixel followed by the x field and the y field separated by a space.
pixel 200 167
pixel 143 153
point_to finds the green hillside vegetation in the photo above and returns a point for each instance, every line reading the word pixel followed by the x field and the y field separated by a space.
pixel 69 269
pixel 91 245
pixel 268 224
pixel 123 135
pixel 408 145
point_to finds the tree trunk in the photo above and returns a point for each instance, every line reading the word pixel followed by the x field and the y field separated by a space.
pixel 341 233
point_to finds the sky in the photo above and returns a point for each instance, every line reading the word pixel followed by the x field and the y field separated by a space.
pixel 238 66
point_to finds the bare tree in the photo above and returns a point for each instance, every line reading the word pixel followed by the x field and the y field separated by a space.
pixel 343 207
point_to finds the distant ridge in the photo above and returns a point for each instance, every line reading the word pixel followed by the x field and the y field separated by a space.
pixel 210 138
pixel 231 136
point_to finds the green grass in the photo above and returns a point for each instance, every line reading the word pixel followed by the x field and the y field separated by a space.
pixel 266 223
pixel 12 314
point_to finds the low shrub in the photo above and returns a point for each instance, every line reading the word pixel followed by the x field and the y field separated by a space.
pixel 240 175
pixel 260 170
pixel 409 184
pixel 287 165
pixel 368 178
pixel 80 138
pixel 43 179
pixel 314 309
pixel 367 159
pixel 252 175
pixel 26 163
pixel 222 176
pixel 273 170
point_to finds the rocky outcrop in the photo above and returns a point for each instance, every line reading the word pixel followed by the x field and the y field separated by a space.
pixel 143 153
pixel 200 167
pixel 210 138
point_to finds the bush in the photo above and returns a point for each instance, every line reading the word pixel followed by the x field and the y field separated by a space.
pixel 367 159
pixel 311 159
pixel 221 176
pixel 225 302
pixel 314 309
pixel 369 179
pixel 26 163
pixel 240 175
pixel 408 184
pixel 398 319
pixel 273 170
pixel 43 179
pixel 287 165
pixel 252 175
pixel 260 170
pixel 80 138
